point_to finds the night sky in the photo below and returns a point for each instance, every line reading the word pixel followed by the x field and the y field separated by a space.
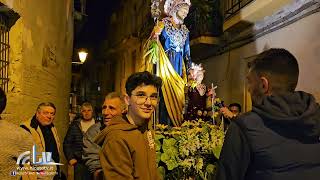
pixel 94 28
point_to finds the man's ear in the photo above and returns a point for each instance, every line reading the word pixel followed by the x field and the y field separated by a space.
pixel 127 99
pixel 124 111
pixel 37 114
pixel 265 85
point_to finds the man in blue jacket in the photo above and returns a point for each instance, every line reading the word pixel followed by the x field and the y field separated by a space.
pixel 279 138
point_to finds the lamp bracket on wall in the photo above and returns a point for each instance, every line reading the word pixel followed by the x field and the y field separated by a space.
pixel 77 62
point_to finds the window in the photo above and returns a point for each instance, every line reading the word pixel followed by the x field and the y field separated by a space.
pixel 231 7
pixel 4 52
pixel 7 19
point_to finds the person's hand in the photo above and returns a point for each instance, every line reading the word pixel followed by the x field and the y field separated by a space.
pixel 186 89
pixel 157 29
pixel 97 174
pixel 211 92
pixel 72 162
pixel 226 112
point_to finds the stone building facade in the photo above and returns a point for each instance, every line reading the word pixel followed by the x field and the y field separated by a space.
pixel 129 27
pixel 41 43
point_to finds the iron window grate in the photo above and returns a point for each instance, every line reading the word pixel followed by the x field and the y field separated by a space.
pixel 231 7
pixel 4 53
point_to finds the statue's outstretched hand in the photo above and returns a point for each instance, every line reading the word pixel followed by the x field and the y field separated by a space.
pixel 157 29
pixel 211 92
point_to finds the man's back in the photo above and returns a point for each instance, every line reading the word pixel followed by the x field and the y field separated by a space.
pixel 278 140
pixel 277 157
pixel 14 141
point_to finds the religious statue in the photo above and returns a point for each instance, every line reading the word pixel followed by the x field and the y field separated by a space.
pixel 168 47
pixel 197 94
pixel 174 35
pixel 167 54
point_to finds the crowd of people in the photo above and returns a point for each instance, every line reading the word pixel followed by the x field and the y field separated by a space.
pixel 278 139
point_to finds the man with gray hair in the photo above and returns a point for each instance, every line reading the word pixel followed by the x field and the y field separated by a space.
pixel 114 105
pixel 44 133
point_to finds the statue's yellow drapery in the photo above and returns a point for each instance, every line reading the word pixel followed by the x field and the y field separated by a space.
pixel 173 84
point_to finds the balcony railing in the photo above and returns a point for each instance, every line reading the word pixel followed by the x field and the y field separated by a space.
pixel 204 18
pixel 231 7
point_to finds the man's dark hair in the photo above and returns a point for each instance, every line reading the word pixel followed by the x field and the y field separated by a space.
pixel 279 66
pixel 3 100
pixel 235 104
pixel 142 78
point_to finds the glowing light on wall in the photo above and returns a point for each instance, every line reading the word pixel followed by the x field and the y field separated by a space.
pixel 82 56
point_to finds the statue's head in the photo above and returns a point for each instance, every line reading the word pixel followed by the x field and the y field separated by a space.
pixel 177 8
pixel 196 72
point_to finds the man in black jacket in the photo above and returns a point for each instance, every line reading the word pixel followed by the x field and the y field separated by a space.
pixel 73 142
pixel 279 138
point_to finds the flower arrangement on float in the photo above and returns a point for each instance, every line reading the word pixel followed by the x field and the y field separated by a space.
pixel 188 151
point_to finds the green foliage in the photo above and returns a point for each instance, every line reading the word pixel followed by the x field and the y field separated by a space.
pixel 190 150
pixel 152 52
pixel 170 151
pixel 162 172
pixel 211 168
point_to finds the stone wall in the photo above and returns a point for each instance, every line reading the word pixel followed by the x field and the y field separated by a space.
pixel 40 59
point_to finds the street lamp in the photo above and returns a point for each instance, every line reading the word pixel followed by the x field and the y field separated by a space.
pixel 82 56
